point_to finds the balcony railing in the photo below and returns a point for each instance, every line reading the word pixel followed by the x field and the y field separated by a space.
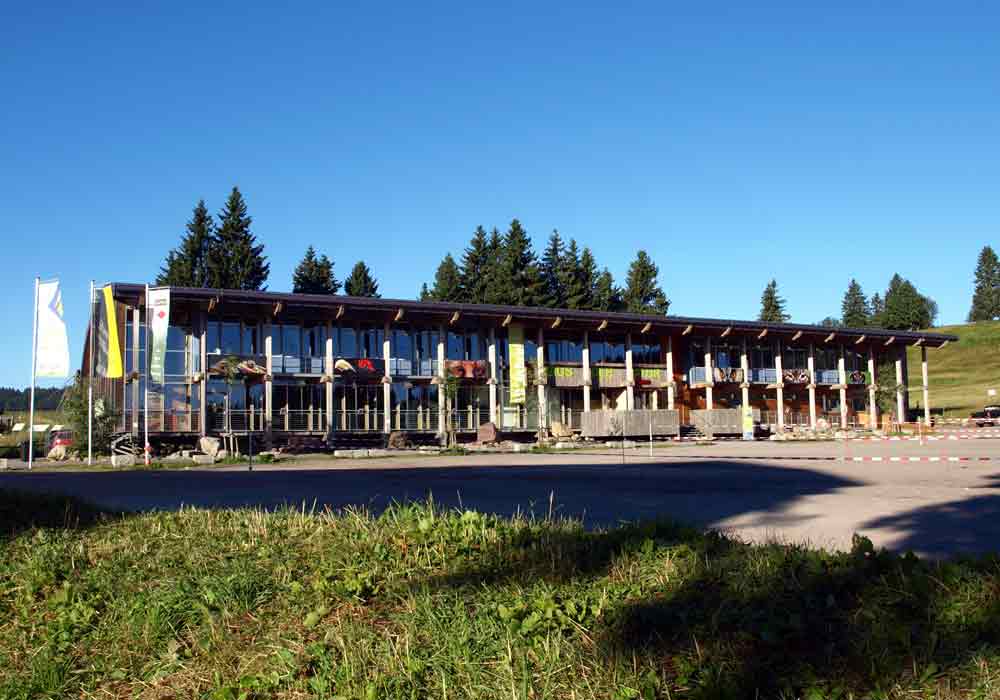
pixel 416 420
pixel 827 376
pixel 763 375
pixel 358 421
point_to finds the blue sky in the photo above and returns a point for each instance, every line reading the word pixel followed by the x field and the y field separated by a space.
pixel 734 144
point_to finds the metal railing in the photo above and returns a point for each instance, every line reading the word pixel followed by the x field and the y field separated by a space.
pixel 519 418
pixel 763 375
pixel 827 376
pixel 359 421
pixel 416 420
pixel 569 417
pixel 469 419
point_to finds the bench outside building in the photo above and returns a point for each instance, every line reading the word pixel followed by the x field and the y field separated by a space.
pixel 336 367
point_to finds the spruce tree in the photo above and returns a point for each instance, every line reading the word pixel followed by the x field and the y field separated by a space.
pixel 519 277
pixel 493 268
pixel 473 277
pixel 877 307
pixel 607 295
pixel 425 293
pixel 905 307
pixel 772 306
pixel 447 281
pixel 854 310
pixel 554 295
pixel 361 282
pixel 642 291
pixel 314 275
pixel 588 278
pixel 187 265
pixel 235 260
pixel 986 297
pixel 575 284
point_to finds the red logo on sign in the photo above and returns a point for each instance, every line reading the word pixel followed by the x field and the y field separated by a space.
pixel 161 314
pixel 366 364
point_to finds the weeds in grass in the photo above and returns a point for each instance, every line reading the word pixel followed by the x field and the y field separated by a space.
pixel 421 603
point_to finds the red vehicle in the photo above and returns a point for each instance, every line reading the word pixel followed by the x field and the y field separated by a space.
pixel 60 437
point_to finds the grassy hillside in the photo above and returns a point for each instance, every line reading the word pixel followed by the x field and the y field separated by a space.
pixel 961 372
pixel 419 603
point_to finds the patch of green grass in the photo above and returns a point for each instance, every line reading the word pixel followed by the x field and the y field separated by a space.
pixel 421 603
pixel 959 373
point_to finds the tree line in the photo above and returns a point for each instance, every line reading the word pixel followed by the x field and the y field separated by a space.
pixel 503 268
pixel 46 399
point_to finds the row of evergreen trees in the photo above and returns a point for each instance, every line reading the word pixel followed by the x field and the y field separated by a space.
pixel 226 255
pixel 986 295
pixel 504 269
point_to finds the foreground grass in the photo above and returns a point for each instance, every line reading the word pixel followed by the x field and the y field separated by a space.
pixel 417 603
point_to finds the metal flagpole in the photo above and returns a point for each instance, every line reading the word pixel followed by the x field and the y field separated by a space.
pixel 90 383
pixel 145 394
pixel 31 401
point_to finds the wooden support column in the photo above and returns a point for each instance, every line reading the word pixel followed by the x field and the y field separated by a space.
pixel 268 383
pixel 629 374
pixel 926 387
pixel 709 378
pixel 328 363
pixel 779 387
pixel 900 384
pixel 137 368
pixel 442 399
pixel 585 352
pixel 492 355
pixel 671 387
pixel 540 379
pixel 203 365
pixel 812 386
pixel 873 406
pixel 386 381
pixel 745 366
pixel 842 380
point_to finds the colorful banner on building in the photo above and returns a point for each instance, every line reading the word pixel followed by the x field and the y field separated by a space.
pixel 158 317
pixel 107 349
pixel 518 372
pixel 52 349
pixel 466 369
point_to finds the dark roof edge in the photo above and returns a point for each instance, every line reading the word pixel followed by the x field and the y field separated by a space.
pixel 528 312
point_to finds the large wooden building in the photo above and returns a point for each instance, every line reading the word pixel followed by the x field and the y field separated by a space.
pixel 338 365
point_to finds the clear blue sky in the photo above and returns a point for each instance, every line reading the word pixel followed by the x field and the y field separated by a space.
pixel 735 145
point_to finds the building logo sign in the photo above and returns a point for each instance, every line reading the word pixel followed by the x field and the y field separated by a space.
pixel 518 371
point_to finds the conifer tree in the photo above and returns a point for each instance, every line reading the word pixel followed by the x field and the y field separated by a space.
pixel 905 307
pixel 235 260
pixel 986 297
pixel 493 268
pixel 519 278
pixel 554 295
pixel 607 295
pixel 187 265
pixel 854 310
pixel 877 306
pixel 588 277
pixel 642 290
pixel 361 282
pixel 772 306
pixel 447 281
pixel 425 293
pixel 314 275
pixel 473 275
pixel 575 285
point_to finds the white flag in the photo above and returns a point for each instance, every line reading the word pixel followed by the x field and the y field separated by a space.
pixel 159 324
pixel 52 354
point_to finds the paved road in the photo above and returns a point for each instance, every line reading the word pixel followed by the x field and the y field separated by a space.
pixel 935 509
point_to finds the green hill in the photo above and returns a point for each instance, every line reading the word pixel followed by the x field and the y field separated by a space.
pixel 960 373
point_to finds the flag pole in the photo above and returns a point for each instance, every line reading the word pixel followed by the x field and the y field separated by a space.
pixel 90 382
pixel 145 394
pixel 31 401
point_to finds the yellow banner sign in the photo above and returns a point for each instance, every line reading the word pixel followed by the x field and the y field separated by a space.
pixel 518 372
pixel 109 355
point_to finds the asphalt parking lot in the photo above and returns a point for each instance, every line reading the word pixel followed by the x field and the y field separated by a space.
pixel 796 492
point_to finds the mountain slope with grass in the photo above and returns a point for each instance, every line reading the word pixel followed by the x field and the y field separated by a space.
pixel 960 373
pixel 421 603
